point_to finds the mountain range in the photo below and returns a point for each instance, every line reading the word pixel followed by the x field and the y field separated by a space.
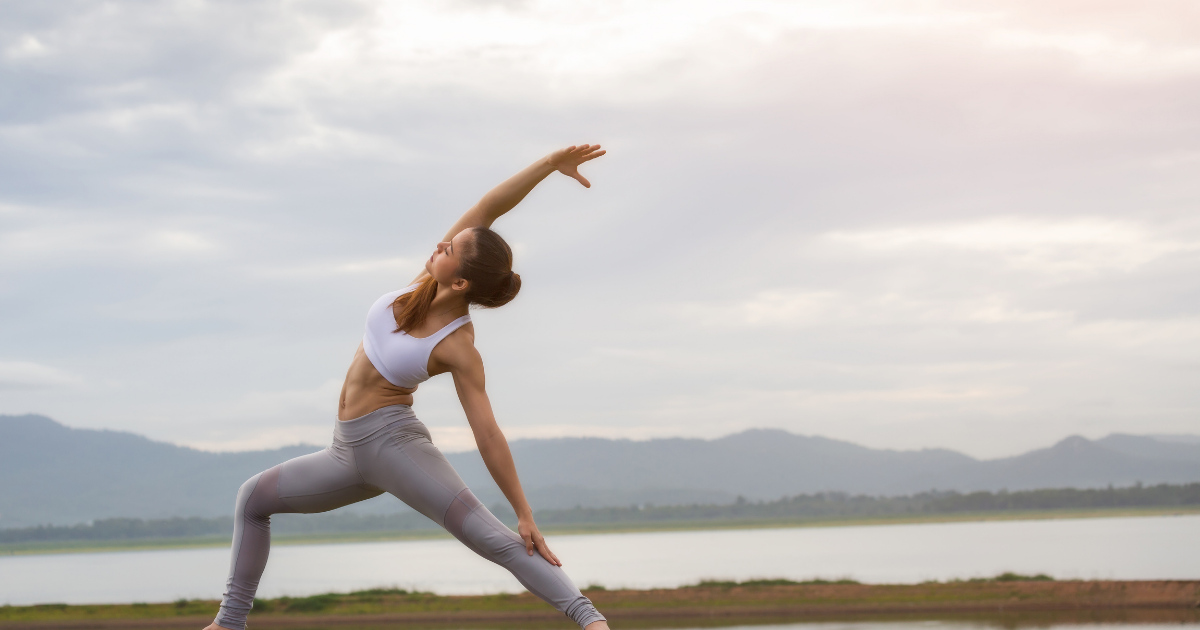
pixel 54 474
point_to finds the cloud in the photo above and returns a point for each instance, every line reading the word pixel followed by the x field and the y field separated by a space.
pixel 333 268
pixel 906 223
pixel 26 375
pixel 112 242
pixel 1082 246
pixel 25 47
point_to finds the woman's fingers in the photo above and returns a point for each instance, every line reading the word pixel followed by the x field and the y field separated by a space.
pixel 528 543
pixel 567 160
pixel 544 549
pixel 576 151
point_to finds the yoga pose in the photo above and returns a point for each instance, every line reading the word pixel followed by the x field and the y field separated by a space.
pixel 378 443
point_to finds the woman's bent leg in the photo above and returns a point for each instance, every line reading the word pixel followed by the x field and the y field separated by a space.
pixel 313 483
pixel 409 466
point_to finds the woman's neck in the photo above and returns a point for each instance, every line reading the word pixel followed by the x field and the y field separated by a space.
pixel 448 301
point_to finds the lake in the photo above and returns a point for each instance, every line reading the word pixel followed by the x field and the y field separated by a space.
pixel 941 625
pixel 1160 547
pixel 937 625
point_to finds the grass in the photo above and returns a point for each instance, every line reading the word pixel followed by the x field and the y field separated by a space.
pixel 88 546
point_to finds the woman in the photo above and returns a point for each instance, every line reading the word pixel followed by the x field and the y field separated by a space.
pixel 378 443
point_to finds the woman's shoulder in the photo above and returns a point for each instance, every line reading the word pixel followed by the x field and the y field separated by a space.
pixel 464 333
pixel 461 341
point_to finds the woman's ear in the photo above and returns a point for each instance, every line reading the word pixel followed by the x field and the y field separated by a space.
pixel 460 284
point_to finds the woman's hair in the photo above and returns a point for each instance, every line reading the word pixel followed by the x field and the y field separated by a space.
pixel 486 265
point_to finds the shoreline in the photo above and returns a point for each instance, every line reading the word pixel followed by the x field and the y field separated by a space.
pixel 153 544
pixel 1006 601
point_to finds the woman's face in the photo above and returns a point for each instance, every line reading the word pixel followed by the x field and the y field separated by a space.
pixel 443 265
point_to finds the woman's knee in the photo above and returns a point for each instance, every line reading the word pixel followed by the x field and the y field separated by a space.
pixel 258 497
pixel 497 542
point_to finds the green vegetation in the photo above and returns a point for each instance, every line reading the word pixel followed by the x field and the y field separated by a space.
pixel 112 529
pixel 1015 577
pixel 768 582
pixel 122 529
pixel 825 508
pixel 838 505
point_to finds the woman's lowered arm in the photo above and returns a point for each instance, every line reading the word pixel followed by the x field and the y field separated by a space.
pixel 467 370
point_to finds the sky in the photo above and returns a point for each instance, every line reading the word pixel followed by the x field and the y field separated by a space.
pixel 906 224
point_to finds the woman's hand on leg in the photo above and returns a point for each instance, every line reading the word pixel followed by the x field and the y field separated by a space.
pixel 534 540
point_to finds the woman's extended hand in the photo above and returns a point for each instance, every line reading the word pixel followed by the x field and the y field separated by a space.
pixel 567 161
pixel 533 539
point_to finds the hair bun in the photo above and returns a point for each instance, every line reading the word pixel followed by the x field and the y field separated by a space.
pixel 486 264
pixel 514 284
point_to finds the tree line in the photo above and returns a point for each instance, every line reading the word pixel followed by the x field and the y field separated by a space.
pixel 818 506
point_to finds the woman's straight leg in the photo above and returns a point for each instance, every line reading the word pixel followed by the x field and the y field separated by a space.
pixel 406 464
pixel 318 482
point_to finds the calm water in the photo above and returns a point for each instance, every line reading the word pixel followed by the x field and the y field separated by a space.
pixel 1116 548
pixel 932 625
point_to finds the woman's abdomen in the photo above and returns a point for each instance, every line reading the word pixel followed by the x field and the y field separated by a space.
pixel 365 389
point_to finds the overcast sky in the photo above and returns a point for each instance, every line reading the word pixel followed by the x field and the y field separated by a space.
pixel 965 224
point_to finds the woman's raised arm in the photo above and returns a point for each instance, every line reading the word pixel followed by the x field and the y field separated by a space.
pixel 511 191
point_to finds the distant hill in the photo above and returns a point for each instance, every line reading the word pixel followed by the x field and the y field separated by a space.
pixel 769 463
pixel 50 473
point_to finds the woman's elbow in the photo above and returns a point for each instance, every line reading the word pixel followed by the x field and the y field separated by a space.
pixel 490 437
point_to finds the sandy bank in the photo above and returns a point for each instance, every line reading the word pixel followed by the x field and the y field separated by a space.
pixel 1005 603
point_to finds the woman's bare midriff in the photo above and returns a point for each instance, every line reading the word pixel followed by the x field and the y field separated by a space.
pixel 365 389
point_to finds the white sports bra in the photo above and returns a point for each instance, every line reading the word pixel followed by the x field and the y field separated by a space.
pixel 401 359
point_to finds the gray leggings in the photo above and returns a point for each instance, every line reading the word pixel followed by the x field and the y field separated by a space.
pixel 387 450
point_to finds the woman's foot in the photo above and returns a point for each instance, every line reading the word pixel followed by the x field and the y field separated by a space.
pixel 597 625
pixel 213 626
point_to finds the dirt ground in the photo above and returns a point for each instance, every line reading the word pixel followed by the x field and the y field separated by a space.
pixel 1002 604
